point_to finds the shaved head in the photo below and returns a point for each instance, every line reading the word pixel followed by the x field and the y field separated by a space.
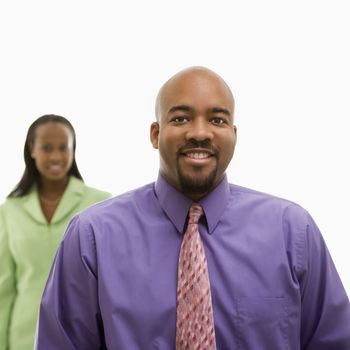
pixel 187 74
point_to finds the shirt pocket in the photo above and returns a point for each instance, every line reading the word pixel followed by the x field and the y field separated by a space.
pixel 262 323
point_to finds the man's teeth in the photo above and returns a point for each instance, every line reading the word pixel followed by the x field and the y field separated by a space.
pixel 198 155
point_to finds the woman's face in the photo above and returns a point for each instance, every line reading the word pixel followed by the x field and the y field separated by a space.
pixel 52 150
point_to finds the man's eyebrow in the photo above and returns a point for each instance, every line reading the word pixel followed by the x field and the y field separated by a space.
pixel 221 110
pixel 181 108
pixel 186 108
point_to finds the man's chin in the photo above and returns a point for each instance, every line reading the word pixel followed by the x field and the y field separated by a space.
pixel 197 184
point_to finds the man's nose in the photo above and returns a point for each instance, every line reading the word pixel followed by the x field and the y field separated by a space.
pixel 200 129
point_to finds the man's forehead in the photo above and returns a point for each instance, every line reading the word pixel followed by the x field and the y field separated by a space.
pixel 185 84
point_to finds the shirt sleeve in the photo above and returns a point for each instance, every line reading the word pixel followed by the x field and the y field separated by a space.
pixel 325 314
pixel 69 315
pixel 7 283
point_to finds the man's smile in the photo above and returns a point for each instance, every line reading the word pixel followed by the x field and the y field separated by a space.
pixel 196 156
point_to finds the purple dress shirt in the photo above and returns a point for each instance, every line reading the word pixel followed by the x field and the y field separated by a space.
pixel 113 283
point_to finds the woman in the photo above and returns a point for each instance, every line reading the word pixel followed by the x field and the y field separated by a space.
pixel 32 222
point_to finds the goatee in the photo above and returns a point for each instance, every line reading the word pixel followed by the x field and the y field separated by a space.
pixel 197 185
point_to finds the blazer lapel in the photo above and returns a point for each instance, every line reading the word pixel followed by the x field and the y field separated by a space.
pixel 31 205
pixel 70 199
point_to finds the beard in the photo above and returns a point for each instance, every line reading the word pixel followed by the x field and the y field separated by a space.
pixel 197 184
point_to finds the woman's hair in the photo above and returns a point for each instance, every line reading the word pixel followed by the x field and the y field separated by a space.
pixel 31 174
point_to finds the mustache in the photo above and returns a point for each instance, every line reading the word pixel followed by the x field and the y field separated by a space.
pixel 192 144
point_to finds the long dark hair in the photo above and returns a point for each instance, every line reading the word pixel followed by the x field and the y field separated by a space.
pixel 31 174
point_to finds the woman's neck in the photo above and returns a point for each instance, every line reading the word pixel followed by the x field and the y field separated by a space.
pixel 52 188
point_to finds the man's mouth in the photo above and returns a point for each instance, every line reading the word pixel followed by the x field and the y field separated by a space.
pixel 197 154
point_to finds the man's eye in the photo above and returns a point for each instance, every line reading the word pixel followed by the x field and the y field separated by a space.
pixel 218 121
pixel 180 120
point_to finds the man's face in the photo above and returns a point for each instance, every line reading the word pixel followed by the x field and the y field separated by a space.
pixel 195 134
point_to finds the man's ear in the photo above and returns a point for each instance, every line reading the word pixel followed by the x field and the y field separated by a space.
pixel 154 134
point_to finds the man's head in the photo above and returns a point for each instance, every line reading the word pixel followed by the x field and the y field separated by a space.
pixel 194 131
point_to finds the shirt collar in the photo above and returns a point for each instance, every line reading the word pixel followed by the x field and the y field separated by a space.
pixel 176 205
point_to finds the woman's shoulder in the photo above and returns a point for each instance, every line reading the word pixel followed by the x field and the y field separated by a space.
pixel 88 191
pixel 98 193
pixel 15 201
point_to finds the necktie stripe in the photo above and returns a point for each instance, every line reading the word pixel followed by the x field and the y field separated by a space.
pixel 195 308
pixel 192 281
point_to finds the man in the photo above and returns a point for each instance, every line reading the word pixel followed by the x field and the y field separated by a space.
pixel 192 261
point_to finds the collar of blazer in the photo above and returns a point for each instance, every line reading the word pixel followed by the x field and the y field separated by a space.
pixel 70 199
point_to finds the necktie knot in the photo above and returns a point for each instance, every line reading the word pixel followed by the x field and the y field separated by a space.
pixel 196 211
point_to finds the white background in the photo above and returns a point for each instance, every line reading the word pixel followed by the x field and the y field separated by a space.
pixel 101 63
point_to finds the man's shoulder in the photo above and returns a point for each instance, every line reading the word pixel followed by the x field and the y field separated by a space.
pixel 266 201
pixel 256 194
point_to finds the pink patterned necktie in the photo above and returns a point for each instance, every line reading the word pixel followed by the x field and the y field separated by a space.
pixel 194 314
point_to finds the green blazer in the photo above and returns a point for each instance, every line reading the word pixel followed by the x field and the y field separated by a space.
pixel 28 244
